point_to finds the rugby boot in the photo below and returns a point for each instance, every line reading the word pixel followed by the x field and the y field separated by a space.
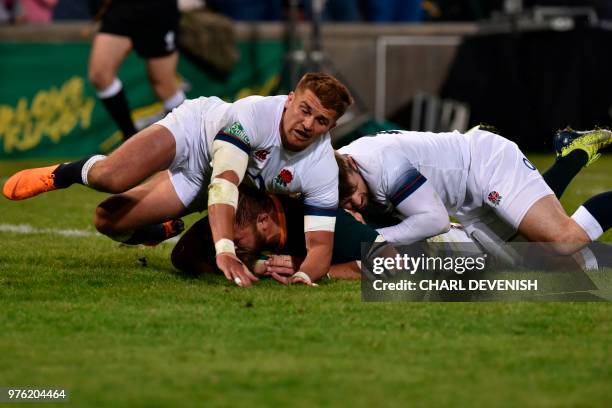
pixel 171 229
pixel 590 141
pixel 29 183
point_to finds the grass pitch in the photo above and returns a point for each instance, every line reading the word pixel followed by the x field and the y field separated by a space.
pixel 117 326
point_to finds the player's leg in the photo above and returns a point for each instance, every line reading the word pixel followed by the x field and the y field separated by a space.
pixel 128 217
pixel 107 53
pixel 157 45
pixel 150 151
pixel 575 150
pixel 516 192
pixel 547 221
pixel 162 76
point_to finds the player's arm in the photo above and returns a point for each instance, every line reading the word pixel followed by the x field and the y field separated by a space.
pixel 425 213
pixel 345 271
pixel 230 160
pixel 319 227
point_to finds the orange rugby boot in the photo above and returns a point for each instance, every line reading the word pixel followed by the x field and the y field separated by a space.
pixel 29 183
pixel 171 229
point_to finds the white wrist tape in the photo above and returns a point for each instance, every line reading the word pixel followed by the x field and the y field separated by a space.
pixel 303 276
pixel 225 246
pixel 222 191
pixel 226 157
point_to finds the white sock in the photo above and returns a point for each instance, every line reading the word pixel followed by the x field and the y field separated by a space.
pixel 113 89
pixel 589 259
pixel 588 223
pixel 87 166
pixel 174 101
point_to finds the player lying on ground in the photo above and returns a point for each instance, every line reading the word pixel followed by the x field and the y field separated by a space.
pixel 269 223
pixel 207 146
pixel 480 178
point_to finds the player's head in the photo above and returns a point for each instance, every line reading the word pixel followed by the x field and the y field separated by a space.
pixel 312 109
pixel 256 225
pixel 353 191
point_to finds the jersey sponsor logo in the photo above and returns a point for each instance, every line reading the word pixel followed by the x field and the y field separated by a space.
pixel 494 198
pixel 236 130
pixel 283 178
pixel 528 164
pixel 261 155
pixel 389 132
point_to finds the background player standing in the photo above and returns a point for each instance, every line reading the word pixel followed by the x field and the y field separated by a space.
pixel 149 27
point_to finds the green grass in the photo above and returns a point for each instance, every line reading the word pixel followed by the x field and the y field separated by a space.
pixel 88 315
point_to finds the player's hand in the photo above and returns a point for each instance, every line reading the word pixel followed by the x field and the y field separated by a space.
pixel 356 215
pixel 291 280
pixel 284 265
pixel 235 270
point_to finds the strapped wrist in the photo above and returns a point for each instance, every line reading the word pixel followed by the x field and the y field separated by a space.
pixel 225 246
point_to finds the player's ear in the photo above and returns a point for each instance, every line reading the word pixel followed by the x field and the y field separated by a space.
pixel 263 219
pixel 351 162
pixel 290 98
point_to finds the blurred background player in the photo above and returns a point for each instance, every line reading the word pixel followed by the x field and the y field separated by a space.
pixel 149 27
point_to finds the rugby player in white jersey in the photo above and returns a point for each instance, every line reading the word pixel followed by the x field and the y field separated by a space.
pixel 207 147
pixel 480 178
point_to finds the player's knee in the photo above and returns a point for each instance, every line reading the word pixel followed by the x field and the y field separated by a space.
pixel 567 238
pixel 103 222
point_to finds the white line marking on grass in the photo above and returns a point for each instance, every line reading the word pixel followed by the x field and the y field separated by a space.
pixel 30 230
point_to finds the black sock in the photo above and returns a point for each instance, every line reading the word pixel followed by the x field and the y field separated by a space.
pixel 68 174
pixel 150 233
pixel 117 107
pixel 563 171
pixel 599 207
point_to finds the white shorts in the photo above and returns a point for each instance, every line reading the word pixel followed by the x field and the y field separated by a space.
pixel 190 170
pixel 502 184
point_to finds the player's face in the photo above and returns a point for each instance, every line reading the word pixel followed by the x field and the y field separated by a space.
pixel 304 120
pixel 359 199
pixel 248 238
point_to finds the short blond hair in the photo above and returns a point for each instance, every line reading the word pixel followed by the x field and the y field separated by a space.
pixel 332 93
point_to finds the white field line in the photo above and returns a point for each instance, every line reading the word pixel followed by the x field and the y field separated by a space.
pixel 31 230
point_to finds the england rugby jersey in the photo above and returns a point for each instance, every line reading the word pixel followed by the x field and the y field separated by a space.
pixel 394 164
pixel 253 125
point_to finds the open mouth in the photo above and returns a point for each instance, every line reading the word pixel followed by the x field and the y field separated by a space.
pixel 301 135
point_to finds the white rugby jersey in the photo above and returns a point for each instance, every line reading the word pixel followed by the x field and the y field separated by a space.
pixel 253 125
pixel 394 164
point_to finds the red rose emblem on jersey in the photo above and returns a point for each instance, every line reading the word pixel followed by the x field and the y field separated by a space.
pixel 284 177
pixel 494 198
pixel 261 154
